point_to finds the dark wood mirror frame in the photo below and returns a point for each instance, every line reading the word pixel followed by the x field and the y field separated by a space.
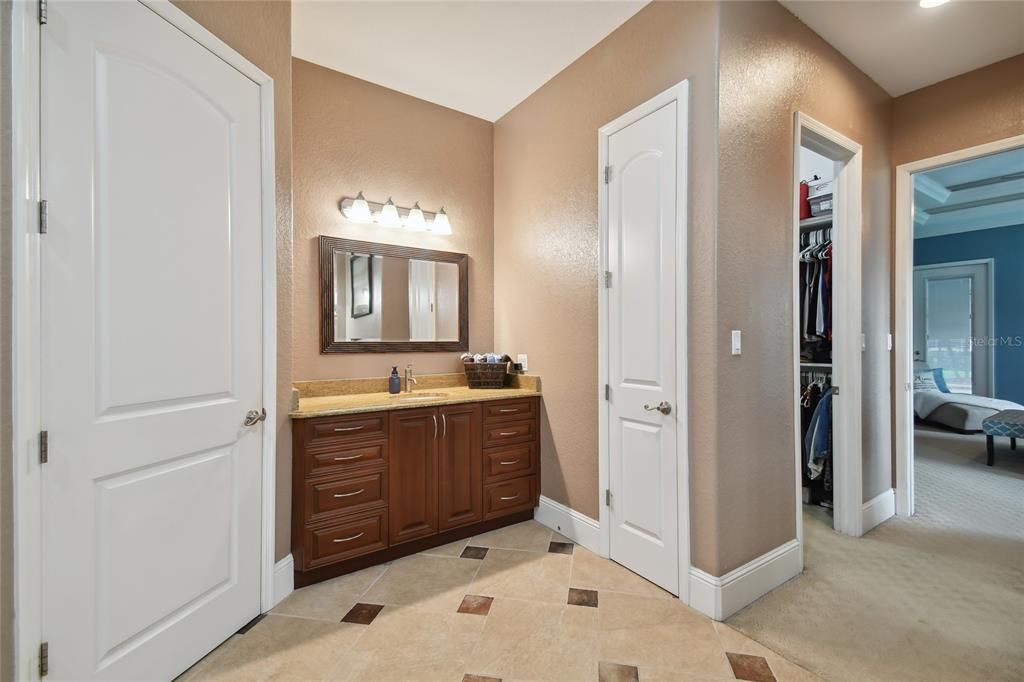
pixel 330 245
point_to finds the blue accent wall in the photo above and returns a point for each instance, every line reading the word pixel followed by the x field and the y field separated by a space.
pixel 1006 246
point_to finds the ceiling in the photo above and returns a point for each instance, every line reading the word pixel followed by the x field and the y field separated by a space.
pixel 903 47
pixel 481 58
pixel 980 194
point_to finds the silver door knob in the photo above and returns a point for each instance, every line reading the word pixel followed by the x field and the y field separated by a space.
pixel 254 417
pixel 664 407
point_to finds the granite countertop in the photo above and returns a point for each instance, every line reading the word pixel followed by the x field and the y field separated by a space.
pixel 345 402
pixel 373 402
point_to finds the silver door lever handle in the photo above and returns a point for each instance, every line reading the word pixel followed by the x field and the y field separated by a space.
pixel 254 417
pixel 664 407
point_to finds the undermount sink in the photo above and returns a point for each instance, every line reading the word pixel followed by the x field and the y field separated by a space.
pixel 411 397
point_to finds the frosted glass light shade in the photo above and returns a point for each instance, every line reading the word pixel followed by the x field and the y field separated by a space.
pixel 415 220
pixel 389 215
pixel 441 224
pixel 359 210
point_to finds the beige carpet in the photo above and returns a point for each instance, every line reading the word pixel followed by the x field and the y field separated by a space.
pixel 939 596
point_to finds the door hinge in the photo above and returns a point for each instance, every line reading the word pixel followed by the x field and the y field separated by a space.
pixel 44 214
pixel 42 11
pixel 608 497
pixel 607 174
pixel 607 392
pixel 44 659
pixel 607 279
pixel 44 447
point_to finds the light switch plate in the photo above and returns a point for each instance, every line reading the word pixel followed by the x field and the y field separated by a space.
pixel 890 342
pixel 737 342
pixel 521 359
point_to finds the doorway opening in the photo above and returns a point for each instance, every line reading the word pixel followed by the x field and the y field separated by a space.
pixel 959 365
pixel 827 336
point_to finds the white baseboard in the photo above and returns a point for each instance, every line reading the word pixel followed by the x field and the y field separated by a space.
pixel 720 597
pixel 284 579
pixel 878 509
pixel 579 528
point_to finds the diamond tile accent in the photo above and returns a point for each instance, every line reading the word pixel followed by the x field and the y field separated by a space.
pixel 560 547
pixel 578 597
pixel 362 614
pixel 476 605
pixel 751 668
pixel 474 553
pixel 616 672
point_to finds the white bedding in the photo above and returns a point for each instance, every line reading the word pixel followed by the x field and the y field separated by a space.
pixel 926 402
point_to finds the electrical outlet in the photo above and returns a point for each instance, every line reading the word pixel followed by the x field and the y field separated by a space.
pixel 521 359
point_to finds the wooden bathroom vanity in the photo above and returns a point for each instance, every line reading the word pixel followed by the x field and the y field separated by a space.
pixel 377 477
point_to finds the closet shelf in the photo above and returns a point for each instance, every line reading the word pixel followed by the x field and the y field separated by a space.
pixel 816 221
pixel 817 365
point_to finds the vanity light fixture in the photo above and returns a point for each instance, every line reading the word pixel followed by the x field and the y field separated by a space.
pixel 414 219
pixel 388 216
pixel 441 224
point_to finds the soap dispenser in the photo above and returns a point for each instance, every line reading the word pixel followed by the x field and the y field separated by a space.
pixel 394 382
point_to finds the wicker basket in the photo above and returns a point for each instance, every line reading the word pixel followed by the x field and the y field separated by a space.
pixel 486 374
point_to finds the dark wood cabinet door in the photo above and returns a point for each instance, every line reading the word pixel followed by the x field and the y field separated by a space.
pixel 460 466
pixel 412 474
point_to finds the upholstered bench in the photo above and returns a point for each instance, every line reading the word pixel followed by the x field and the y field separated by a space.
pixel 1009 424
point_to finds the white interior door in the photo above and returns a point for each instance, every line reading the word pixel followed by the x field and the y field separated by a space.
pixel 421 301
pixel 952 324
pixel 151 323
pixel 642 346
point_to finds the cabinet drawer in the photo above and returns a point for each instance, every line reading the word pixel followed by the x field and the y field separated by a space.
pixel 508 497
pixel 326 497
pixel 344 458
pixel 518 432
pixel 346 539
pixel 509 462
pixel 509 410
pixel 334 431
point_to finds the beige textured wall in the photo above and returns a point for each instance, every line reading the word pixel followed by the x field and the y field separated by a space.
pixel 977 107
pixel 260 30
pixel 546 235
pixel 772 66
pixel 350 136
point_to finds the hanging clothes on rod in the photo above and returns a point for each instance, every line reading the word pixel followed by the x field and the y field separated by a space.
pixel 816 296
pixel 816 442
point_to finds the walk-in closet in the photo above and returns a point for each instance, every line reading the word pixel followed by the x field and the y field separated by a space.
pixel 815 284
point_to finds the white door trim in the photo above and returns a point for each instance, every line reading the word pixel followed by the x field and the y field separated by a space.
pixel 990 328
pixel 678 93
pixel 846 349
pixel 903 400
pixel 26 378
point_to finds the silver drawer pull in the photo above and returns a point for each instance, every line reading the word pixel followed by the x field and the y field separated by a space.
pixel 514 461
pixel 507 410
pixel 349 428
pixel 354 537
pixel 345 459
pixel 513 497
pixel 508 433
pixel 361 490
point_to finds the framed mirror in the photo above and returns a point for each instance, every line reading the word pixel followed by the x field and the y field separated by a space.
pixel 381 298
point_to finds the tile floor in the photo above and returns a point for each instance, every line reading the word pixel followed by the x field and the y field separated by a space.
pixel 518 603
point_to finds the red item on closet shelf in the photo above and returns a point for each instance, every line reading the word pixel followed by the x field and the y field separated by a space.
pixel 805 205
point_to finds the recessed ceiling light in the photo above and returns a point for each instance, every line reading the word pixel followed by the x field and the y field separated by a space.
pixel 928 4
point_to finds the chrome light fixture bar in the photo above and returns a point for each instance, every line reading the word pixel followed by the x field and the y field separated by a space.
pixel 358 209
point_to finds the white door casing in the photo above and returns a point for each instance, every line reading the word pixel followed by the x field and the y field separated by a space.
pixel 970 282
pixel 643 340
pixel 153 164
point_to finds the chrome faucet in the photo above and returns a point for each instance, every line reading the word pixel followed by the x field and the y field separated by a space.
pixel 409 379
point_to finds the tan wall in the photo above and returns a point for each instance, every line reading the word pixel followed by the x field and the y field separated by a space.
pixel 977 107
pixel 260 30
pixel 350 136
pixel 546 234
pixel 772 66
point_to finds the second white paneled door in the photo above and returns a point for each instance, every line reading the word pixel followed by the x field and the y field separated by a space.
pixel 643 245
pixel 152 149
